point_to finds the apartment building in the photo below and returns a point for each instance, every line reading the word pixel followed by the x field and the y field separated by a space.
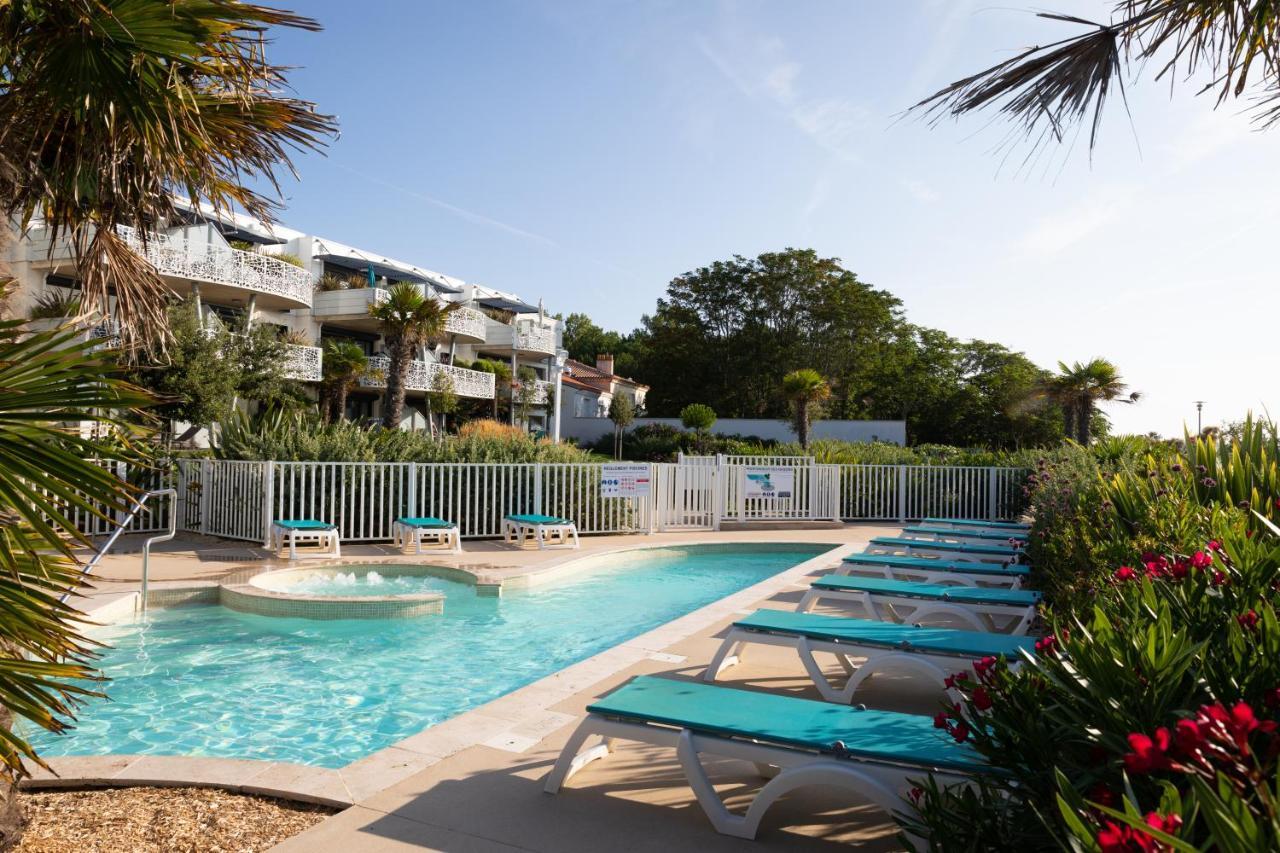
pixel 312 288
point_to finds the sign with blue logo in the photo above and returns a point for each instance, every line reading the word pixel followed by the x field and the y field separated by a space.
pixel 624 480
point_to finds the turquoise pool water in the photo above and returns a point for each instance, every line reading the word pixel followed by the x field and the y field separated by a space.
pixel 206 680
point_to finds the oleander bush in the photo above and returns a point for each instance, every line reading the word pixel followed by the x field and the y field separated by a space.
pixel 1147 718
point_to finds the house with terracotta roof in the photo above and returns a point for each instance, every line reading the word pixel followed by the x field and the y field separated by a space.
pixel 587 391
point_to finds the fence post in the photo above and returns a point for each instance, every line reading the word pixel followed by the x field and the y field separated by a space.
pixel 268 498
pixel 719 495
pixel 412 509
pixel 992 509
pixel 902 494
pixel 650 504
pixel 206 493
pixel 537 488
pixel 813 488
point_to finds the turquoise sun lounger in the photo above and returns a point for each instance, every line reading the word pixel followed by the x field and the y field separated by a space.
pixel 438 533
pixel 943 550
pixel 1007 611
pixel 325 535
pixel 928 570
pixel 794 742
pixel 546 530
pixel 934 653
pixel 955 534
pixel 977 524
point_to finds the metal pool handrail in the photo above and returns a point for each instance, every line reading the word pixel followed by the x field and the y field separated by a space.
pixel 146 547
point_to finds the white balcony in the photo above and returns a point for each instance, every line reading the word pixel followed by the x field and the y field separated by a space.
pixel 531 338
pixel 543 392
pixel 303 363
pixel 422 377
pixel 466 323
pixel 227 272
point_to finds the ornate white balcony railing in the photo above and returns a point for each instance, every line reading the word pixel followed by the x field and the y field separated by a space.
pixel 532 338
pixel 422 375
pixel 175 256
pixel 303 363
pixel 542 392
pixel 465 321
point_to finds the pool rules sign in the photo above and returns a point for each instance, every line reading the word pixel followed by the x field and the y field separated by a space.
pixel 624 480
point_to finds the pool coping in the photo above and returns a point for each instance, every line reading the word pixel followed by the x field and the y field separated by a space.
pixel 515 721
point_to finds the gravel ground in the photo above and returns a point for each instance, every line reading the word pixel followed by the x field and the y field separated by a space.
pixel 163 820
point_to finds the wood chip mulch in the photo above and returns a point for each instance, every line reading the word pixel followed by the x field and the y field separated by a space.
pixel 163 820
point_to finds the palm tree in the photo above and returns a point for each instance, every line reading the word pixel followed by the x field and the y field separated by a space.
pixel 1079 388
pixel 409 319
pixel 1049 89
pixel 805 389
pixel 343 365
pixel 46 380
pixel 194 107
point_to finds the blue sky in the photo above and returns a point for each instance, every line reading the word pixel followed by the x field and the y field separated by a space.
pixel 587 152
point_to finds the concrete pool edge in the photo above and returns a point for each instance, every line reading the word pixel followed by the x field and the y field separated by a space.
pixel 514 722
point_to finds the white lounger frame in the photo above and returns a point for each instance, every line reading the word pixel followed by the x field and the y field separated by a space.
pixel 328 540
pixel 887 607
pixel 437 538
pixel 942 576
pixel 935 667
pixel 906 549
pixel 546 535
pixel 786 769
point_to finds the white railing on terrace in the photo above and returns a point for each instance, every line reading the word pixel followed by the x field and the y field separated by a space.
pixel 465 321
pixel 422 375
pixel 543 391
pixel 526 336
pixel 175 256
pixel 239 500
pixel 303 363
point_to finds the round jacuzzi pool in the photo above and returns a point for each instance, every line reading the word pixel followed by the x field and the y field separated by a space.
pixel 350 591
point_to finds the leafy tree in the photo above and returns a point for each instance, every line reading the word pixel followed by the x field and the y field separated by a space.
pixel 409 319
pixel 194 107
pixel 343 364
pixel 698 417
pixel 258 358
pixel 199 383
pixel 622 411
pixel 442 400
pixel 585 341
pixel 1050 89
pixel 1079 388
pixel 806 389
pixel 524 393
pixel 501 380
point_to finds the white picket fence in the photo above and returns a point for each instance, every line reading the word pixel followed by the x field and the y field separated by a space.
pixel 238 500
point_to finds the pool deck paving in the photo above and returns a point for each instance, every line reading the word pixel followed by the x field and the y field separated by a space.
pixel 474 782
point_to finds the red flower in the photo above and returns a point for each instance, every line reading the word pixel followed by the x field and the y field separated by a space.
pixel 953 681
pixel 983 668
pixel 960 731
pixel 941 720
pixel 1124 573
pixel 1202 559
pixel 1219 578
pixel 1047 646
pixel 1214 545
pixel 1148 753
pixel 1248 620
pixel 981 699
pixel 1102 795
pixel 1168 824
pixel 1189 736
pixel 915 795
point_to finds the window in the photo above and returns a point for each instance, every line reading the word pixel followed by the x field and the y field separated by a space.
pixel 582 406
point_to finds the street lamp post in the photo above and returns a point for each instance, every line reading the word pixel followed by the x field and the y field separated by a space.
pixel 1199 408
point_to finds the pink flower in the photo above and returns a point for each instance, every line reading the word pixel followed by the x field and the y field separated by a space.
pixel 1248 620
pixel 960 731
pixel 1214 545
pixel 981 699
pixel 1202 559
pixel 1219 578
pixel 941 720
pixel 1047 646
pixel 1124 573
pixel 953 681
pixel 915 795
pixel 983 668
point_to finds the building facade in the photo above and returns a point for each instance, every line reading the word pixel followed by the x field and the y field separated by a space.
pixel 313 289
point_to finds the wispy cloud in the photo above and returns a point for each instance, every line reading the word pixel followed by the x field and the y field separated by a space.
pixel 1073 223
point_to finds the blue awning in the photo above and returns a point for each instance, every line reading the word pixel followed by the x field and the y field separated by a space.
pixel 512 305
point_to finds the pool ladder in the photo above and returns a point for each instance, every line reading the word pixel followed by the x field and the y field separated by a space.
pixel 172 494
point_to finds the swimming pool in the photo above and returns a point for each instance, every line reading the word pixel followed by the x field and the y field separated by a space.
pixel 209 681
